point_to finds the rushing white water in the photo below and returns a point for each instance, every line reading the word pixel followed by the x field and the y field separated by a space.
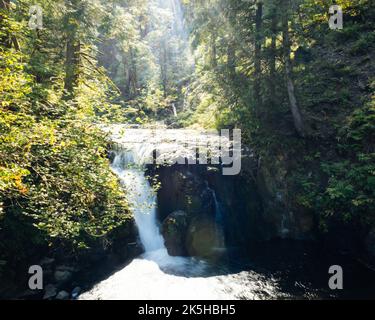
pixel 219 222
pixel 170 144
pixel 174 110
pixel 155 274
pixel 142 198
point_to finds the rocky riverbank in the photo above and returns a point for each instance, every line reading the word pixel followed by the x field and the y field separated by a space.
pixel 65 274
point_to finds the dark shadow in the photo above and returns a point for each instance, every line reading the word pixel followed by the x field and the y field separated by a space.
pixel 299 268
pixel 296 270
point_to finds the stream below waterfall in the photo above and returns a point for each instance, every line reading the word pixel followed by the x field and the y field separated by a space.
pixel 278 269
pixel 156 274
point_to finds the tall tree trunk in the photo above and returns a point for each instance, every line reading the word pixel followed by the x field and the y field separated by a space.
pixel 272 79
pixel 7 40
pixel 73 50
pixel 72 60
pixel 133 76
pixel 294 108
pixel 164 68
pixel 213 49
pixel 257 55
pixel 231 47
pixel 126 90
pixel 231 59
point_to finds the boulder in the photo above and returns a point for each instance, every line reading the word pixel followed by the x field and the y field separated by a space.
pixel 201 238
pixel 50 291
pixel 75 293
pixel 62 295
pixel 62 276
pixel 174 231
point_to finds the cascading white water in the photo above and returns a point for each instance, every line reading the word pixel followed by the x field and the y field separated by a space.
pixel 219 222
pixel 220 238
pixel 142 198
pixel 155 274
pixel 174 110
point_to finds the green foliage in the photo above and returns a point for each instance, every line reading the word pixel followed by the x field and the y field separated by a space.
pixel 128 61
pixel 75 193
pixel 330 172
pixel 56 188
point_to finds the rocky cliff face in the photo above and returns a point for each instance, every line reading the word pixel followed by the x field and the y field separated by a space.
pixel 194 201
pixel 188 209
pixel 254 206
pixel 284 219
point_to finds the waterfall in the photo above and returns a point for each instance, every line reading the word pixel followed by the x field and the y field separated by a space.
pixel 220 239
pixel 155 274
pixel 219 222
pixel 141 196
pixel 174 110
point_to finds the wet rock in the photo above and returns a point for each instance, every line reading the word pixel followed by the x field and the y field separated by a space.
pixel 62 276
pixel 50 291
pixel 111 156
pixel 174 231
pixel 181 189
pixel 62 295
pixel 134 249
pixel 75 293
pixel 47 265
pixel 201 239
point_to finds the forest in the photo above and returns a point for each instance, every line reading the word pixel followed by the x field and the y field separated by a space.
pixel 301 92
